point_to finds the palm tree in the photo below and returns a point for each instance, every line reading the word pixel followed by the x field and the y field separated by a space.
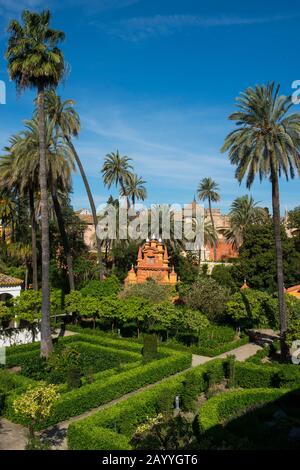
pixel 267 143
pixel 208 191
pixel 59 167
pixel 66 120
pixel 7 207
pixel 134 188
pixel 244 211
pixel 116 170
pixel 35 61
pixel 19 176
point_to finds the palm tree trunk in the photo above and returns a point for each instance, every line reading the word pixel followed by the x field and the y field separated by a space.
pixel 46 339
pixel 124 192
pixel 279 260
pixel 91 201
pixel 64 237
pixel 213 226
pixel 13 236
pixel 33 240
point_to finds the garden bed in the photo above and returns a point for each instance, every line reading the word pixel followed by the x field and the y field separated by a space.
pixel 114 427
pixel 122 371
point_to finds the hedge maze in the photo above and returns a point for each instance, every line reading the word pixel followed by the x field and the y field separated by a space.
pixel 118 368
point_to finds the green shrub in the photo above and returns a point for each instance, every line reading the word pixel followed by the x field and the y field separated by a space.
pixel 74 378
pixel 222 407
pixel 248 375
pixel 150 348
pixel 212 341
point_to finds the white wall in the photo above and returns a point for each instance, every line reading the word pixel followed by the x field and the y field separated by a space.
pixel 14 336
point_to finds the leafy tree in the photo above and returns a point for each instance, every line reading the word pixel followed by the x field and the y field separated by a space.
pixel 185 267
pixel 267 143
pixel 137 309
pixel 294 220
pixel 149 290
pixel 84 270
pixel 257 259
pixel 164 314
pixel 107 287
pixel 84 306
pixel 28 306
pixel 124 256
pixel 193 321
pixel 89 307
pixel 253 309
pixel 223 276
pixel 5 312
pixel 35 61
pixel 111 308
pixel 36 404
pixel 207 296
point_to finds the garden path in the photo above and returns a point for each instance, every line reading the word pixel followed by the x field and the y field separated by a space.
pixel 14 437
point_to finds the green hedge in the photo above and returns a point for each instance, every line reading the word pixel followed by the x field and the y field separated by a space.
pixel 99 392
pixel 218 409
pixel 248 375
pixel 206 350
pixel 104 340
pixel 115 425
pixel 10 383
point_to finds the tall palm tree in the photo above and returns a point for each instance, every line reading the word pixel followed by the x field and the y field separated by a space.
pixel 59 159
pixel 208 191
pixel 7 207
pixel 134 188
pixel 67 121
pixel 267 143
pixel 18 175
pixel 35 61
pixel 244 211
pixel 116 170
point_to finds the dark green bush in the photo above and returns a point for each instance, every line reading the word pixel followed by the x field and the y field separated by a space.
pixel 74 378
pixel 150 348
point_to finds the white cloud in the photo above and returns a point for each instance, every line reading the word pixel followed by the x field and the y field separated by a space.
pixel 139 28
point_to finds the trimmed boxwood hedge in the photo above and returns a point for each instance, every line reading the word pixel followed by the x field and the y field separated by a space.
pixel 248 375
pixel 99 392
pixel 207 350
pixel 226 406
pixel 113 427
pixel 10 382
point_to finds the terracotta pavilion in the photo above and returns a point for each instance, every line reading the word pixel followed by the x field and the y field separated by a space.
pixel 152 263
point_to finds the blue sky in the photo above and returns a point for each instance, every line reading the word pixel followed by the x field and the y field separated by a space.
pixel 157 80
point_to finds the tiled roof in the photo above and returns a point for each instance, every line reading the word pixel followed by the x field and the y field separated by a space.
pixel 9 281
